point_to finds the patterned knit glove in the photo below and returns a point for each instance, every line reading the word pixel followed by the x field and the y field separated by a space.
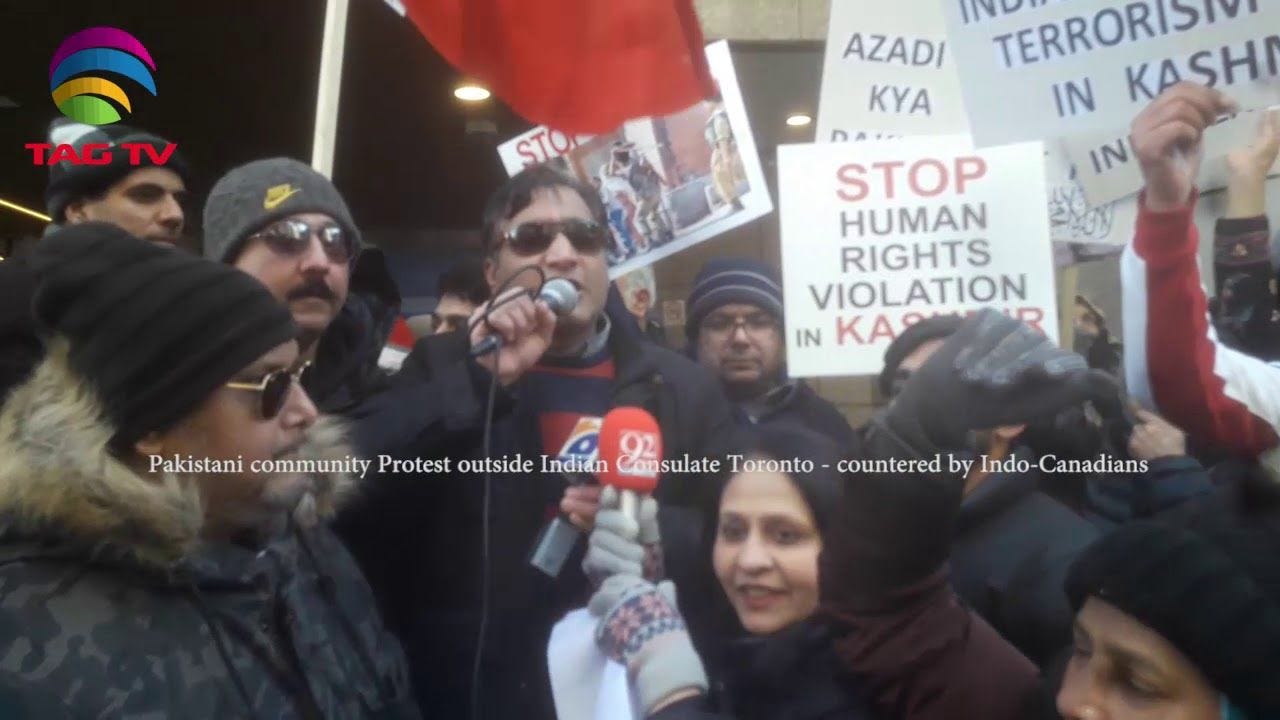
pixel 641 627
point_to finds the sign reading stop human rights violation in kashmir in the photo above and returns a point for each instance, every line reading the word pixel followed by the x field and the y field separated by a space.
pixel 881 234
pixel 1033 69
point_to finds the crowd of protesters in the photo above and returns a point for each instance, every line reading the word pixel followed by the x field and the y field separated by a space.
pixel 997 593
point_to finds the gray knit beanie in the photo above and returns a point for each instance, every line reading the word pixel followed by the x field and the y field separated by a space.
pixel 256 194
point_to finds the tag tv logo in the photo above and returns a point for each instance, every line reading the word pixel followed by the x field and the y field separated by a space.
pixel 83 76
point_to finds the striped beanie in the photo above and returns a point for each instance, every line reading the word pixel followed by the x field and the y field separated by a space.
pixel 1213 592
pixel 732 280
pixel 69 182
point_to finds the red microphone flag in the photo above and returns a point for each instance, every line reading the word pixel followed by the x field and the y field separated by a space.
pixel 578 66
pixel 631 447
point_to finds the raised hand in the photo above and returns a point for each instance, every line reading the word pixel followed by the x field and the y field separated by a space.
pixel 1248 167
pixel 1167 138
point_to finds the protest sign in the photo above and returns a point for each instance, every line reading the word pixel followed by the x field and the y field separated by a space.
pixel 1108 169
pixel 667 183
pixel 888 73
pixel 879 235
pixel 1072 217
pixel 1034 69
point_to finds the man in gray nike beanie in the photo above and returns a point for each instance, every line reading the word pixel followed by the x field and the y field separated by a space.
pixel 254 195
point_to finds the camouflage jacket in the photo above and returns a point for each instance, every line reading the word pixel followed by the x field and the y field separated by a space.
pixel 112 607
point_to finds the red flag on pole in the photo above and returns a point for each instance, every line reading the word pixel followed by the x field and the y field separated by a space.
pixel 579 66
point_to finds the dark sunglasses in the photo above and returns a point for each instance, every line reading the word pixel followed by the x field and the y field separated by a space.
pixel 292 237
pixel 274 387
pixel 533 238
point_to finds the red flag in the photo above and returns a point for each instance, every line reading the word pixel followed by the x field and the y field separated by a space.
pixel 578 66
pixel 401 336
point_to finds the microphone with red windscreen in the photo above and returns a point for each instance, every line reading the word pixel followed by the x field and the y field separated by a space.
pixel 631 449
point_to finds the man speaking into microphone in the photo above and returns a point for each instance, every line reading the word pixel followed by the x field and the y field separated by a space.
pixel 551 373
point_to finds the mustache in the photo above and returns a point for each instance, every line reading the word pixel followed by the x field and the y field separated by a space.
pixel 315 287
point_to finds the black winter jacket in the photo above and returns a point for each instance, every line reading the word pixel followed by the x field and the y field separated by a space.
pixel 419 538
pixel 1013 546
pixel 111 604
pixel 796 403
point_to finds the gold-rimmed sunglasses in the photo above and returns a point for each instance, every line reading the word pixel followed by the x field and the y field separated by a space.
pixel 274 387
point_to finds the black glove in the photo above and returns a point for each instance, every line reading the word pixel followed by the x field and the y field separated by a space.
pixel 895 528
pixel 993 371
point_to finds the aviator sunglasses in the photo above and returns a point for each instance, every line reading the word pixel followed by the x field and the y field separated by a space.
pixel 292 237
pixel 274 387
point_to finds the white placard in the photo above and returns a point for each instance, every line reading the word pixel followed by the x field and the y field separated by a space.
pixel 1071 216
pixel 706 175
pixel 1107 168
pixel 878 235
pixel 1034 69
pixel 888 73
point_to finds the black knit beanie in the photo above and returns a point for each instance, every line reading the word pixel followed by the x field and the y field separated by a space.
pixel 934 328
pixel 155 330
pixel 252 196
pixel 1212 592
pixel 68 182
pixel 731 280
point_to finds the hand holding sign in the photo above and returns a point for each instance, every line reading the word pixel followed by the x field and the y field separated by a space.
pixel 1167 137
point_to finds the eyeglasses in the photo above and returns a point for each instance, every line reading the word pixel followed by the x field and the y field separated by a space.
pixel 274 387
pixel 756 323
pixel 292 237
pixel 533 238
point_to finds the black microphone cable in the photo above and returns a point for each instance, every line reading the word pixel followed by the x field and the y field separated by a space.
pixel 488 482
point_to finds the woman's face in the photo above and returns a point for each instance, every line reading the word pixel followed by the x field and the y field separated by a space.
pixel 1123 670
pixel 766 551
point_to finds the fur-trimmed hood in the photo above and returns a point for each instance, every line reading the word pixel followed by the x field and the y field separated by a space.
pixel 59 481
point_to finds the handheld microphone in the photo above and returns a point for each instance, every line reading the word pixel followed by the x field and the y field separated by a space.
pixel 559 294
pixel 631 450
pixel 626 449
pixel 556 541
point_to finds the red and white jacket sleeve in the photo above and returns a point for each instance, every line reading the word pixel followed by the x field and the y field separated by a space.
pixel 1173 359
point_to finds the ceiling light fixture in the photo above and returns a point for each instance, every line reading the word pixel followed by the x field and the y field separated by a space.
pixel 25 211
pixel 799 119
pixel 470 92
